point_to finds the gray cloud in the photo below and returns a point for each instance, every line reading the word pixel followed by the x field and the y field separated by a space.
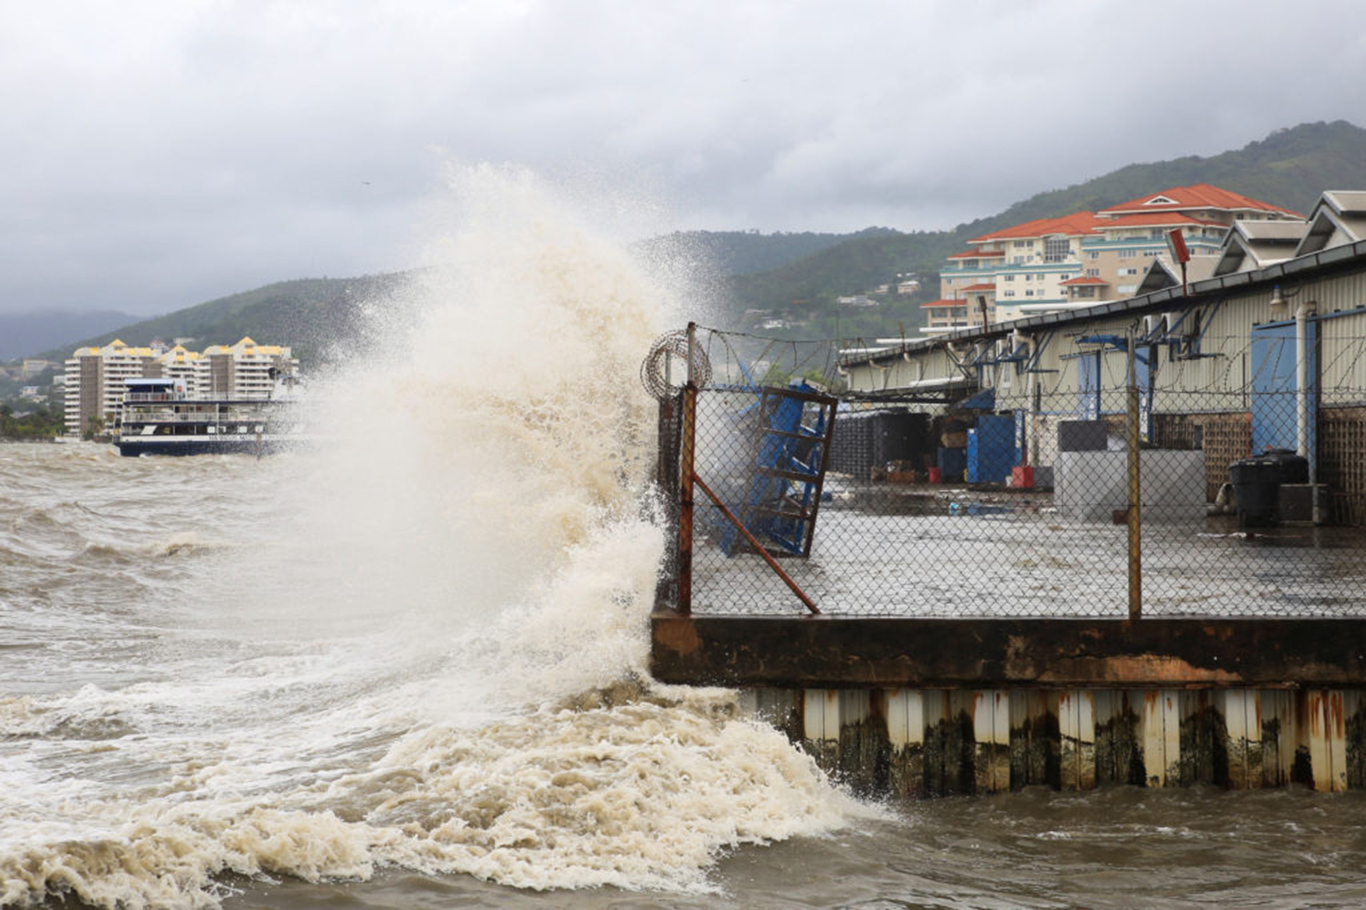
pixel 162 153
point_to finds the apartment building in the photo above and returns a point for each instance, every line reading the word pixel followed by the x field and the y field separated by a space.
pixel 1054 264
pixel 243 370
pixel 94 383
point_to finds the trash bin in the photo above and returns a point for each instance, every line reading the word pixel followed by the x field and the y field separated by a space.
pixel 1257 481
pixel 1294 468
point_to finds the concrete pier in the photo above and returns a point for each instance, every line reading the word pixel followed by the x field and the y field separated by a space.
pixel 925 707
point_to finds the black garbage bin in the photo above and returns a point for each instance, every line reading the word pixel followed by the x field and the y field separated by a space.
pixel 1294 468
pixel 1257 481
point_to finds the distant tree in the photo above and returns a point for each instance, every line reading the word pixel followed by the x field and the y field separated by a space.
pixel 39 424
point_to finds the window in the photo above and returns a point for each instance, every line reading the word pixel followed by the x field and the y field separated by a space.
pixel 1010 278
pixel 1021 244
pixel 1128 271
pixel 1009 294
pixel 1029 293
pixel 1055 249
pixel 1093 254
pixel 1093 273
pixel 1017 260
pixel 1127 288
pixel 1127 254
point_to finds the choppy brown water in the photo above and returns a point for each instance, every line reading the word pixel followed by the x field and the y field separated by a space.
pixel 1123 848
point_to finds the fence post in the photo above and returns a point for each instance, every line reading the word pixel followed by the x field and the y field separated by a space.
pixel 1135 509
pixel 666 477
pixel 686 477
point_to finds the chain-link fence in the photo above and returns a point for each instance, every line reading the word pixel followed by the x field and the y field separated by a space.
pixel 1016 496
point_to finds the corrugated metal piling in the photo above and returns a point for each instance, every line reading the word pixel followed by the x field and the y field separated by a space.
pixel 926 707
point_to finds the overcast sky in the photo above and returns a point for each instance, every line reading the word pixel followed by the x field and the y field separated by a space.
pixel 157 155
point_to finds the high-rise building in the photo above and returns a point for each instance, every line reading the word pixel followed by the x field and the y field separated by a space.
pixel 242 370
pixel 94 383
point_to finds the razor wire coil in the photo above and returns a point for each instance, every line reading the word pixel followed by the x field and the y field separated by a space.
pixel 662 377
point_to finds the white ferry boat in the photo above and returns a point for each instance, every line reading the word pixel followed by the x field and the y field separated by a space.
pixel 158 418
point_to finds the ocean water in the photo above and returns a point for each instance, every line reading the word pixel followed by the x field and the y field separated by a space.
pixel 409 668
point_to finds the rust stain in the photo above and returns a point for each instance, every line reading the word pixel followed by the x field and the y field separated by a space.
pixel 678 635
pixel 1219 632
pixel 1140 669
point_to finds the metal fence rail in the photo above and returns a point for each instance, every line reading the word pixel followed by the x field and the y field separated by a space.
pixel 1125 488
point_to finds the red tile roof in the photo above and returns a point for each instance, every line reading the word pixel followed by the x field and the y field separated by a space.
pixel 1202 195
pixel 1078 223
pixel 943 303
pixel 977 254
pixel 1080 281
pixel 980 287
pixel 1148 219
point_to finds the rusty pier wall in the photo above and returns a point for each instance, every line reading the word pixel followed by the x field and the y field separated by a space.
pixel 924 707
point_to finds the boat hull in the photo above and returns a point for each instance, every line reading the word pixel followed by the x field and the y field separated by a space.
pixel 205 445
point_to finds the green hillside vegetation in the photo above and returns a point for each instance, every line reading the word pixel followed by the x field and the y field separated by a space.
pixel 1290 168
pixel 746 252
pixel 34 424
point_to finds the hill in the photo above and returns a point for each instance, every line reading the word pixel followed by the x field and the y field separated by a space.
pixel 1290 168
pixel 317 317
pixel 746 252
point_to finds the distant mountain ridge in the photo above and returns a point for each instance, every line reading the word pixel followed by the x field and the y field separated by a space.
pixel 797 276
pixel 314 316
pixel 746 252
pixel 24 333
